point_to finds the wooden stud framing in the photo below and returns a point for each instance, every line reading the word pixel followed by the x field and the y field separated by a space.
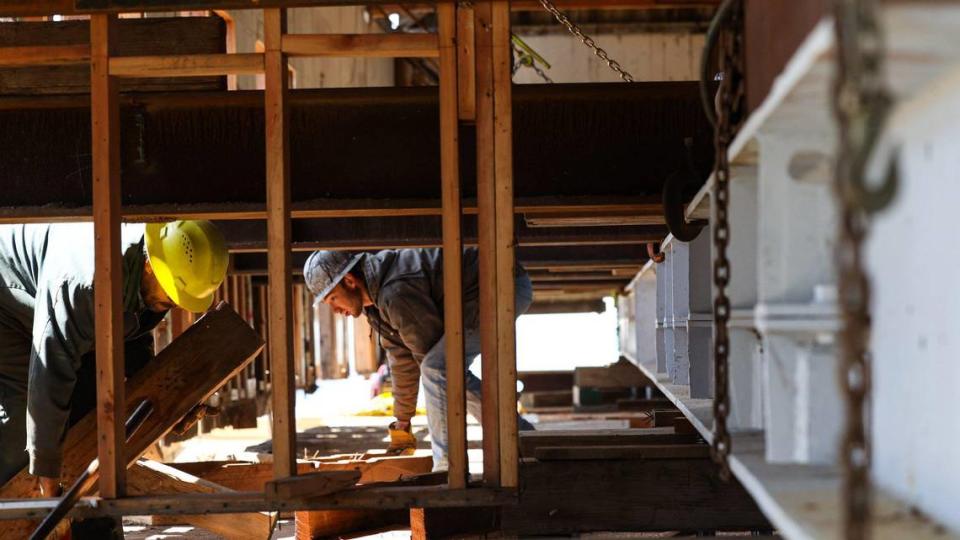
pixel 466 64
pixel 278 237
pixel 362 45
pixel 505 243
pixel 108 278
pixel 486 206
pixel 452 248
pixel 50 55
pixel 187 65
pixel 496 239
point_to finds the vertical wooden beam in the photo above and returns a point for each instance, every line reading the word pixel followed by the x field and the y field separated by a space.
pixel 278 241
pixel 452 248
pixel 108 278
pixel 486 210
pixel 466 72
pixel 506 310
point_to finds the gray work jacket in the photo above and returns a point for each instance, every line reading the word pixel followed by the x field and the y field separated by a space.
pixel 406 287
pixel 46 297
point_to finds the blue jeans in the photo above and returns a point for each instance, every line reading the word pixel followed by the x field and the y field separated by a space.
pixel 433 375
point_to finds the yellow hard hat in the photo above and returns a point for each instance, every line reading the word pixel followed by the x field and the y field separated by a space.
pixel 189 259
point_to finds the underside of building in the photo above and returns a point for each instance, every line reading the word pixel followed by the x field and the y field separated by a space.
pixel 727 180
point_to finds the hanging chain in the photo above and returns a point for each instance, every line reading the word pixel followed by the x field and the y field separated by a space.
pixel 861 106
pixel 728 117
pixel 524 59
pixel 587 40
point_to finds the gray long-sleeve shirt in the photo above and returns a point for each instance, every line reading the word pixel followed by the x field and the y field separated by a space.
pixel 46 295
pixel 406 287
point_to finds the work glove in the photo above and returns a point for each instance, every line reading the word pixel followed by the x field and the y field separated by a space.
pixel 402 441
pixel 195 415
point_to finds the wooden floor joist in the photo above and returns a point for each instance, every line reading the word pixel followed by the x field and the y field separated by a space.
pixel 182 375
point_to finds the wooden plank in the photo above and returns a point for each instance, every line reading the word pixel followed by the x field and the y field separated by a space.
pixel 278 234
pixel 21 8
pixel 311 485
pixel 377 497
pixel 339 523
pixel 502 56
pixel 187 65
pixel 362 45
pixel 561 499
pixel 530 442
pixel 149 477
pixel 646 451
pixel 108 278
pixel 538 381
pixel 665 417
pixel 185 373
pixel 547 398
pixel 329 523
pixel 452 249
pixel 622 374
pixel 486 232
pixel 466 64
pixel 475 522
pixel 50 55
pixel 135 37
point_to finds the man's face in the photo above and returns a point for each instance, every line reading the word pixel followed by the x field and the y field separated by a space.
pixel 346 298
pixel 151 291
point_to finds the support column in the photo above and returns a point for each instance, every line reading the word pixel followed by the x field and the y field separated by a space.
pixel 108 278
pixel 496 238
pixel 452 248
pixel 486 236
pixel 278 241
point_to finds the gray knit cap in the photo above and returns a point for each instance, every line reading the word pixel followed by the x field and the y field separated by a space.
pixel 324 269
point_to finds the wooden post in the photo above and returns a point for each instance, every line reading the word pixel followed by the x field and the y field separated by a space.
pixel 505 242
pixel 108 278
pixel 452 248
pixel 486 216
pixel 278 238
pixel 466 63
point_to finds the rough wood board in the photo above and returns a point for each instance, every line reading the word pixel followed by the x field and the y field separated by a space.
pixel 325 523
pixel 311 485
pixel 188 371
pixel 238 476
pixel 622 374
pixel 150 478
pixel 547 398
pixel 136 37
pixel 531 441
pixel 645 451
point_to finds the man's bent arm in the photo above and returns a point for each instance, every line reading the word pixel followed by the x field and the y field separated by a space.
pixel 62 332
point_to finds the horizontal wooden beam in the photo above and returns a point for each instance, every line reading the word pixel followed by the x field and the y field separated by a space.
pixel 21 8
pixel 571 206
pixel 243 502
pixel 646 451
pixel 188 65
pixel 362 45
pixel 49 55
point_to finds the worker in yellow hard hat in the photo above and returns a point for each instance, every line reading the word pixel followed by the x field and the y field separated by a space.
pixel 47 376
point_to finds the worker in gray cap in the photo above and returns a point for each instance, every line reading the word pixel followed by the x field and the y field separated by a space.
pixel 401 293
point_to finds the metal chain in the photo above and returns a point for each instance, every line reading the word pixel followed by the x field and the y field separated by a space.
pixel 587 40
pixel 523 59
pixel 728 118
pixel 861 104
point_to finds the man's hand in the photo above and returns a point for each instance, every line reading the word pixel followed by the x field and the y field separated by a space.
pixel 49 487
pixel 402 441
pixel 195 415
